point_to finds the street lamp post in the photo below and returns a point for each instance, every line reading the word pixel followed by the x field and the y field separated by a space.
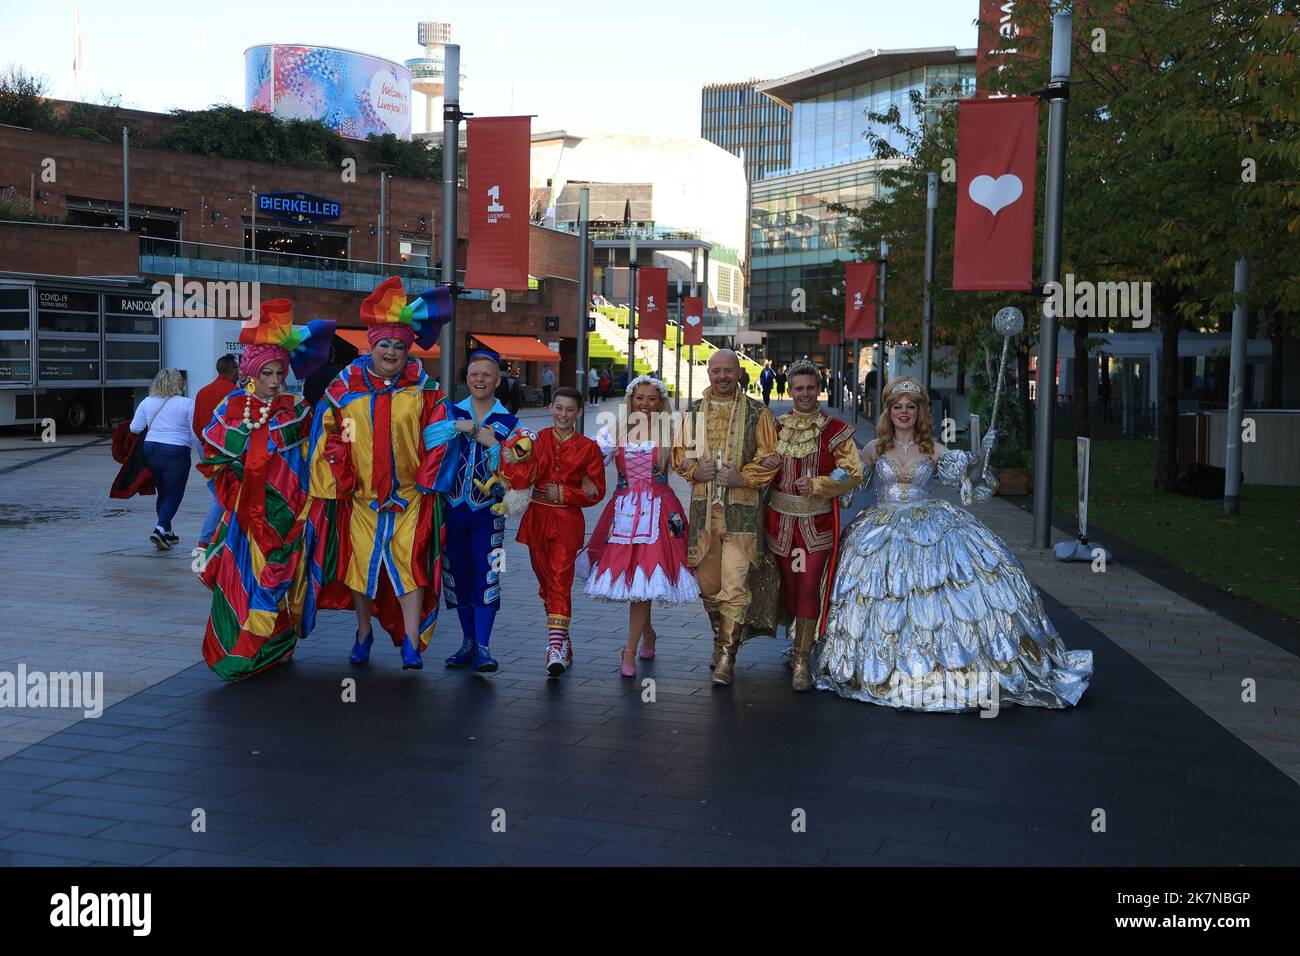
pixel 880 328
pixel 631 309
pixel 451 117
pixel 927 307
pixel 1058 92
pixel 584 294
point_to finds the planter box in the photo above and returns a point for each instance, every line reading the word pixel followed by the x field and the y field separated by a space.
pixel 1014 481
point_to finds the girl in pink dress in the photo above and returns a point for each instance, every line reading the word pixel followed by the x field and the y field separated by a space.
pixel 637 551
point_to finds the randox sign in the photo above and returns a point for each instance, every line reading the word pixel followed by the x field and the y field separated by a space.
pixel 298 207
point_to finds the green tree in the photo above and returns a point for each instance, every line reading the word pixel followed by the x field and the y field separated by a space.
pixel 1166 102
pixel 898 214
pixel 22 100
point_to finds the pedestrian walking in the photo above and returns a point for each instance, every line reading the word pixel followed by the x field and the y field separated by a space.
pixel 165 420
pixel 548 382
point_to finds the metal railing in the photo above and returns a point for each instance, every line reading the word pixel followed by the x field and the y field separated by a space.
pixel 236 263
pixel 1111 419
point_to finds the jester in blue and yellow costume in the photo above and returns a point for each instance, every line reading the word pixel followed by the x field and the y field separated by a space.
pixel 379 538
pixel 255 454
pixel 471 441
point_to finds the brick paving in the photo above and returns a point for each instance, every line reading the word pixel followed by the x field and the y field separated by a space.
pixel 594 769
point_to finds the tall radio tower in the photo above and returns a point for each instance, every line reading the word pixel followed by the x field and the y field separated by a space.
pixel 428 72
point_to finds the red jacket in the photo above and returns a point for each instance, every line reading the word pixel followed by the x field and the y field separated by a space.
pixel 206 402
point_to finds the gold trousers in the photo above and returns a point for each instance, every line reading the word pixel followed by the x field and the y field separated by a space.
pixel 723 573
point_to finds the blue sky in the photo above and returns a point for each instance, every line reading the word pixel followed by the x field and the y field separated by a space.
pixel 585 66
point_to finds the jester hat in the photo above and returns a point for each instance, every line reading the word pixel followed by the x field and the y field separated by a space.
pixel 388 313
pixel 272 337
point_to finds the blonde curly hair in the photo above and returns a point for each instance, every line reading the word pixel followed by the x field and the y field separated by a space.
pixel 167 383
pixel 924 433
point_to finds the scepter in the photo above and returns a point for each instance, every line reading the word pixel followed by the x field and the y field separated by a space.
pixel 1008 323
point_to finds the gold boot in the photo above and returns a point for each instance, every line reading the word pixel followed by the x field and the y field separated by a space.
pixel 729 635
pixel 715 618
pixel 805 635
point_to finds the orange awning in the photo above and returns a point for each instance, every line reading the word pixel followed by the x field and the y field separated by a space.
pixel 358 338
pixel 519 347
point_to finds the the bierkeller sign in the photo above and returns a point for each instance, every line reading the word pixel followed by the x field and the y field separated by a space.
pixel 298 207
pixel 499 150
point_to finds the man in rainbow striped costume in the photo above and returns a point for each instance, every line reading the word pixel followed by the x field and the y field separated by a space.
pixel 378 541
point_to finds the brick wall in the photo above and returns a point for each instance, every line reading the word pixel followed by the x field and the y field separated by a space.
pixel 184 182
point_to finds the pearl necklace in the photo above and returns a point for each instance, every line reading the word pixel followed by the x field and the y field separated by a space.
pixel 265 414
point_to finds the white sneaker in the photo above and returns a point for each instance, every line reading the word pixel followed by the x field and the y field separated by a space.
pixel 555 661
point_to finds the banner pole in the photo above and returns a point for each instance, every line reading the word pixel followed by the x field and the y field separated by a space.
pixel 584 300
pixel 927 307
pixel 1236 389
pixel 1053 208
pixel 451 117
pixel 880 328
pixel 631 310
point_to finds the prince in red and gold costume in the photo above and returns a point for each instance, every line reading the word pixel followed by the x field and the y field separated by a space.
pixel 818 462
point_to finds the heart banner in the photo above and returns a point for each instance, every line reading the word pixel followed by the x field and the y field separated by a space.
pixel 652 304
pixel 997 161
pixel 860 300
pixel 692 320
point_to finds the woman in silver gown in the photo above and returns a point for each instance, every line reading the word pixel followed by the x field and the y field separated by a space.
pixel 929 609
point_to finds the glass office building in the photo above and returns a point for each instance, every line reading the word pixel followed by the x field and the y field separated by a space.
pixel 794 239
pixel 737 117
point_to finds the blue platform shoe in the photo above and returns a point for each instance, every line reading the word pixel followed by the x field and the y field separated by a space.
pixel 411 660
pixel 463 656
pixel 483 662
pixel 361 650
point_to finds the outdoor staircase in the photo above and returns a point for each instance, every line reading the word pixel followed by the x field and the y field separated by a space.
pixel 608 345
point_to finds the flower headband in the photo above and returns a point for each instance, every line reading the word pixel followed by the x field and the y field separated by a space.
pixel 647 380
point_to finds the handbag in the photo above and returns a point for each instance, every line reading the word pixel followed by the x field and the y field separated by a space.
pixel 134 477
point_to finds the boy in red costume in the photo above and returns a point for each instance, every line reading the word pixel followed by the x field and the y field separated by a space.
pixel 567 473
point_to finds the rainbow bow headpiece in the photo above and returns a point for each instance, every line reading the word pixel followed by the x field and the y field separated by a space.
pixel 387 308
pixel 272 337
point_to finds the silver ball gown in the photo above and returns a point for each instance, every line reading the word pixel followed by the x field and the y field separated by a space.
pixel 931 611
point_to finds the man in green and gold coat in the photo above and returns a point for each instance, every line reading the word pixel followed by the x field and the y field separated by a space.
pixel 721 452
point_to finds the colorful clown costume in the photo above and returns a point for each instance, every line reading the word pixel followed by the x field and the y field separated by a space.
pixel 466 474
pixel 382 536
pixel 255 455
pixel 256 564
pixel 554 530
pixel 375 532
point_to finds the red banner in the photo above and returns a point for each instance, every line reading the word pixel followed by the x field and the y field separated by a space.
pixel 860 300
pixel 692 320
pixel 651 303
pixel 500 149
pixel 827 336
pixel 997 162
